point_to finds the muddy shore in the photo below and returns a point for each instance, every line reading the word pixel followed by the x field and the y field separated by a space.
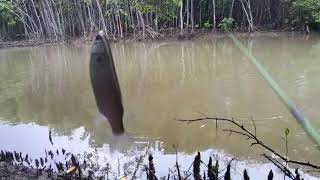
pixel 19 172
pixel 174 36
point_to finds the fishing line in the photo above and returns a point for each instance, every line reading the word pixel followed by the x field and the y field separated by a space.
pixel 291 106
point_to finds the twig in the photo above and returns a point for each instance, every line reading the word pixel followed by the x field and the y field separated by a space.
pixel 139 162
pixel 284 169
pixel 253 137
pixel 150 171
pixel 254 125
pixel 187 175
pixel 177 165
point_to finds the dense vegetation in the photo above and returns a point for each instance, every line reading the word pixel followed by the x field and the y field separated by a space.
pixel 62 19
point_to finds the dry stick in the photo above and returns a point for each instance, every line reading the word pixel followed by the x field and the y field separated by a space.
pixel 286 171
pixel 251 136
pixel 254 124
pixel 150 171
pixel 177 165
pixel 186 173
pixel 312 171
pixel 118 167
pixel 139 162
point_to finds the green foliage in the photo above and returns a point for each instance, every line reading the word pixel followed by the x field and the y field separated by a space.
pixel 287 131
pixel 87 2
pixel 207 25
pixel 6 13
pixel 166 9
pixel 76 14
pixel 226 24
pixel 144 8
pixel 306 11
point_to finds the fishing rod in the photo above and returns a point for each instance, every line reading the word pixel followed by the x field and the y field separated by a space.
pixel 291 106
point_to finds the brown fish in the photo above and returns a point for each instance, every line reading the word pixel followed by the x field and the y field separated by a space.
pixel 105 83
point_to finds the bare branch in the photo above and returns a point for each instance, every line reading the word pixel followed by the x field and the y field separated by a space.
pixel 251 136
pixel 254 124
pixel 283 168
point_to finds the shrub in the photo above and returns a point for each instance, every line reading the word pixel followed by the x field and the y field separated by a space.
pixel 226 24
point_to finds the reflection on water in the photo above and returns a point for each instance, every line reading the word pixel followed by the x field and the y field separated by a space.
pixel 125 162
pixel 48 87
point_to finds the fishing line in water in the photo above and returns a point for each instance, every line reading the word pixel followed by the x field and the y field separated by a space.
pixel 291 106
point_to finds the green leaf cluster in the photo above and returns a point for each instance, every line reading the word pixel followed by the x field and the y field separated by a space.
pixel 226 24
pixel 6 13
pixel 306 11
pixel 165 9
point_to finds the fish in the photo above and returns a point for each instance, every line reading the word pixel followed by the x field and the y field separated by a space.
pixel 105 84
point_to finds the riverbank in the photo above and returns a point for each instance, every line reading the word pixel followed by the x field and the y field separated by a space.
pixel 166 36
pixel 146 167
pixel 59 163
pixel 19 172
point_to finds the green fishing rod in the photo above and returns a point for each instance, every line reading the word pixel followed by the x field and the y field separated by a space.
pixel 292 107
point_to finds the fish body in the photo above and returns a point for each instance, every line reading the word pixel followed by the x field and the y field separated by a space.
pixel 105 83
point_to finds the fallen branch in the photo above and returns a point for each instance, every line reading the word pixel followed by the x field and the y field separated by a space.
pixel 286 171
pixel 251 136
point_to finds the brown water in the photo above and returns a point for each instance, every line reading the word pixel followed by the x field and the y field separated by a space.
pixel 48 87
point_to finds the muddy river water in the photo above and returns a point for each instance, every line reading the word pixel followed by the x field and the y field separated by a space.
pixel 48 88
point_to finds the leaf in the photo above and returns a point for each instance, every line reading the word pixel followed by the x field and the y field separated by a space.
pixel 71 170
pixel 287 131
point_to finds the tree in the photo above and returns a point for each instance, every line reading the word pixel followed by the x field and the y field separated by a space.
pixel 246 6
pixel 214 14
pixel 192 16
pixel 306 11
pixel 181 17
pixel 57 20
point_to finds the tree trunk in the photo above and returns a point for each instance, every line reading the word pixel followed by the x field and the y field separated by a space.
pixel 132 24
pixel 156 22
pixel 138 20
pixel 120 25
pixel 231 9
pixel 192 17
pixel 143 25
pixel 102 18
pixel 130 14
pixel 248 14
pixel 38 19
pixel 188 14
pixel 200 18
pixel 181 17
pixel 90 18
pixel 214 15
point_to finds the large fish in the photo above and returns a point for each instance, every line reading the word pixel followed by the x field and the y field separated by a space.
pixel 105 83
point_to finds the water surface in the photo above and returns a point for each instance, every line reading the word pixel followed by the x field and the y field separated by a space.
pixel 48 87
